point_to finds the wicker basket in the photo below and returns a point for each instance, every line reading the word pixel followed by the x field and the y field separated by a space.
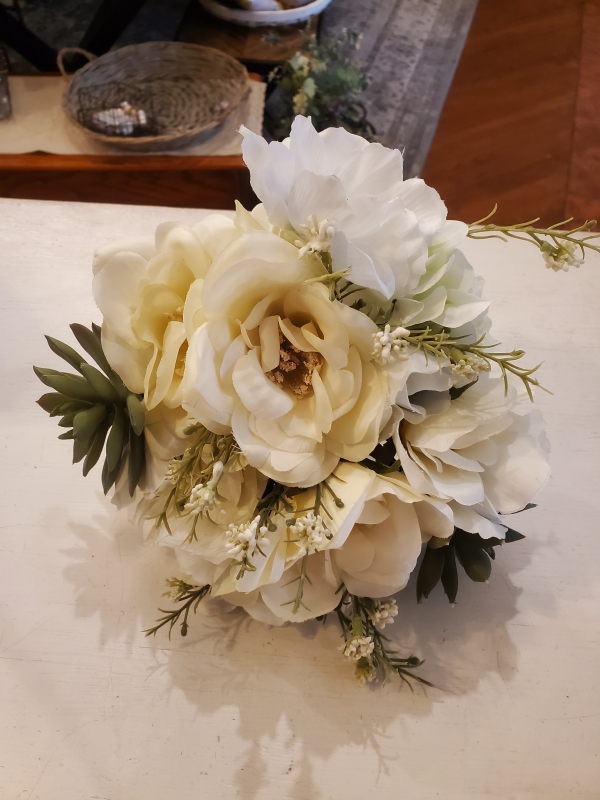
pixel 182 89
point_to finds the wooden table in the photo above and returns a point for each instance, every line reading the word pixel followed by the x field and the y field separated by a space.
pixel 193 181
pixel 90 708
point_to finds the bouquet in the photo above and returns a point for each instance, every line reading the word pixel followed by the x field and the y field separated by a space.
pixel 305 402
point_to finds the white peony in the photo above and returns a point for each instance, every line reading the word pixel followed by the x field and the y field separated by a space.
pixel 483 455
pixel 374 544
pixel 288 370
pixel 344 196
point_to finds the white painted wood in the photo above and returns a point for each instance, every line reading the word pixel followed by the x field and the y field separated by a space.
pixel 91 709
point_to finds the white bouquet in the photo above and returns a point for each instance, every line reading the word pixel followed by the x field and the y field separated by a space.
pixel 304 400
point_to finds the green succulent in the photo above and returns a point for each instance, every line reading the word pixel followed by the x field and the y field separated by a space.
pixel 97 409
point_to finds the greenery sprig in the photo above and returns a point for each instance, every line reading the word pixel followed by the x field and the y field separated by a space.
pixel 194 467
pixel 95 407
pixel 355 615
pixel 555 244
pixel 189 596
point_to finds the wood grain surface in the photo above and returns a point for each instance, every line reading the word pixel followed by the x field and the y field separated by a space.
pixel 506 132
pixel 90 709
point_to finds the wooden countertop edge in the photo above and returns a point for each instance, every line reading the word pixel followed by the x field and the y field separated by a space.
pixel 128 163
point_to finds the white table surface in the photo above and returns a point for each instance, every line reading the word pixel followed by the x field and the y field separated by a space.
pixel 90 709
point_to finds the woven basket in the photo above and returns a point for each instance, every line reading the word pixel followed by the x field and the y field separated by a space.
pixel 183 89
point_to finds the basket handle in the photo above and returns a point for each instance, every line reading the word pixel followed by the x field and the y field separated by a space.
pixel 66 51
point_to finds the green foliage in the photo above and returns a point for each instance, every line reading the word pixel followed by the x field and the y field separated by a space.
pixel 474 554
pixel 97 408
pixel 322 82
pixel 355 615
pixel 188 596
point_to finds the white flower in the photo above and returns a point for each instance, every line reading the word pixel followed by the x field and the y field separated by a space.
pixel 562 257
pixel 390 345
pixel 365 673
pixel 204 495
pixel 148 293
pixel 467 369
pixel 245 541
pixel 358 647
pixel 310 533
pixel 383 613
pixel 382 224
pixel 481 456
pixel 283 366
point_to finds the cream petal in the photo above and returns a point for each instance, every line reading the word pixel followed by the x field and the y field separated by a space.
pixel 357 553
pixel 258 394
pixel 319 595
pixel 467 519
pixel 269 343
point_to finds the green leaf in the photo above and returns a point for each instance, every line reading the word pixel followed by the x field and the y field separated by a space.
pixel 116 440
pixel 430 572
pixel 79 450
pixel 137 456
pixel 100 383
pixel 527 508
pixel 67 420
pixel 72 386
pixel 475 563
pixel 450 574
pixel 137 413
pixel 456 393
pixel 95 450
pixel 69 406
pixel 51 401
pixel 513 536
pixel 467 539
pixel 90 341
pixel 86 422
pixel 108 477
pixel 67 435
pixel 65 352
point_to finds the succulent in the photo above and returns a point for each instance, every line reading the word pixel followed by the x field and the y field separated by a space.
pixel 96 408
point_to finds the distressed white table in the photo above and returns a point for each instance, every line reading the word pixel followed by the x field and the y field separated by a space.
pixel 91 709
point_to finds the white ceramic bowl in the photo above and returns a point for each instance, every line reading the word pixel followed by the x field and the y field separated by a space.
pixel 254 19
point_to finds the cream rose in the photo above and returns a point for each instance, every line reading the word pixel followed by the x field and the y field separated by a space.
pixel 287 369
pixel 149 296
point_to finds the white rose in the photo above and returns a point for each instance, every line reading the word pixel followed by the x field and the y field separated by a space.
pixel 345 196
pixel 149 296
pixel 287 369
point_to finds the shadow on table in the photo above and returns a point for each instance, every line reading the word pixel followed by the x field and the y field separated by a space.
pixel 296 697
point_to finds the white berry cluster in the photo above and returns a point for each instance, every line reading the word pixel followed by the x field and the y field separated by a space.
pixel 319 235
pixel 358 647
pixel 390 345
pixel 310 533
pixel 245 540
pixel 561 258
pixel 204 496
pixel 468 369
pixel 383 613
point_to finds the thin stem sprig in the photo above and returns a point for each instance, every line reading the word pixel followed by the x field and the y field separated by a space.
pixel 189 596
pixel 442 344
pixel 550 240
pixel 355 615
